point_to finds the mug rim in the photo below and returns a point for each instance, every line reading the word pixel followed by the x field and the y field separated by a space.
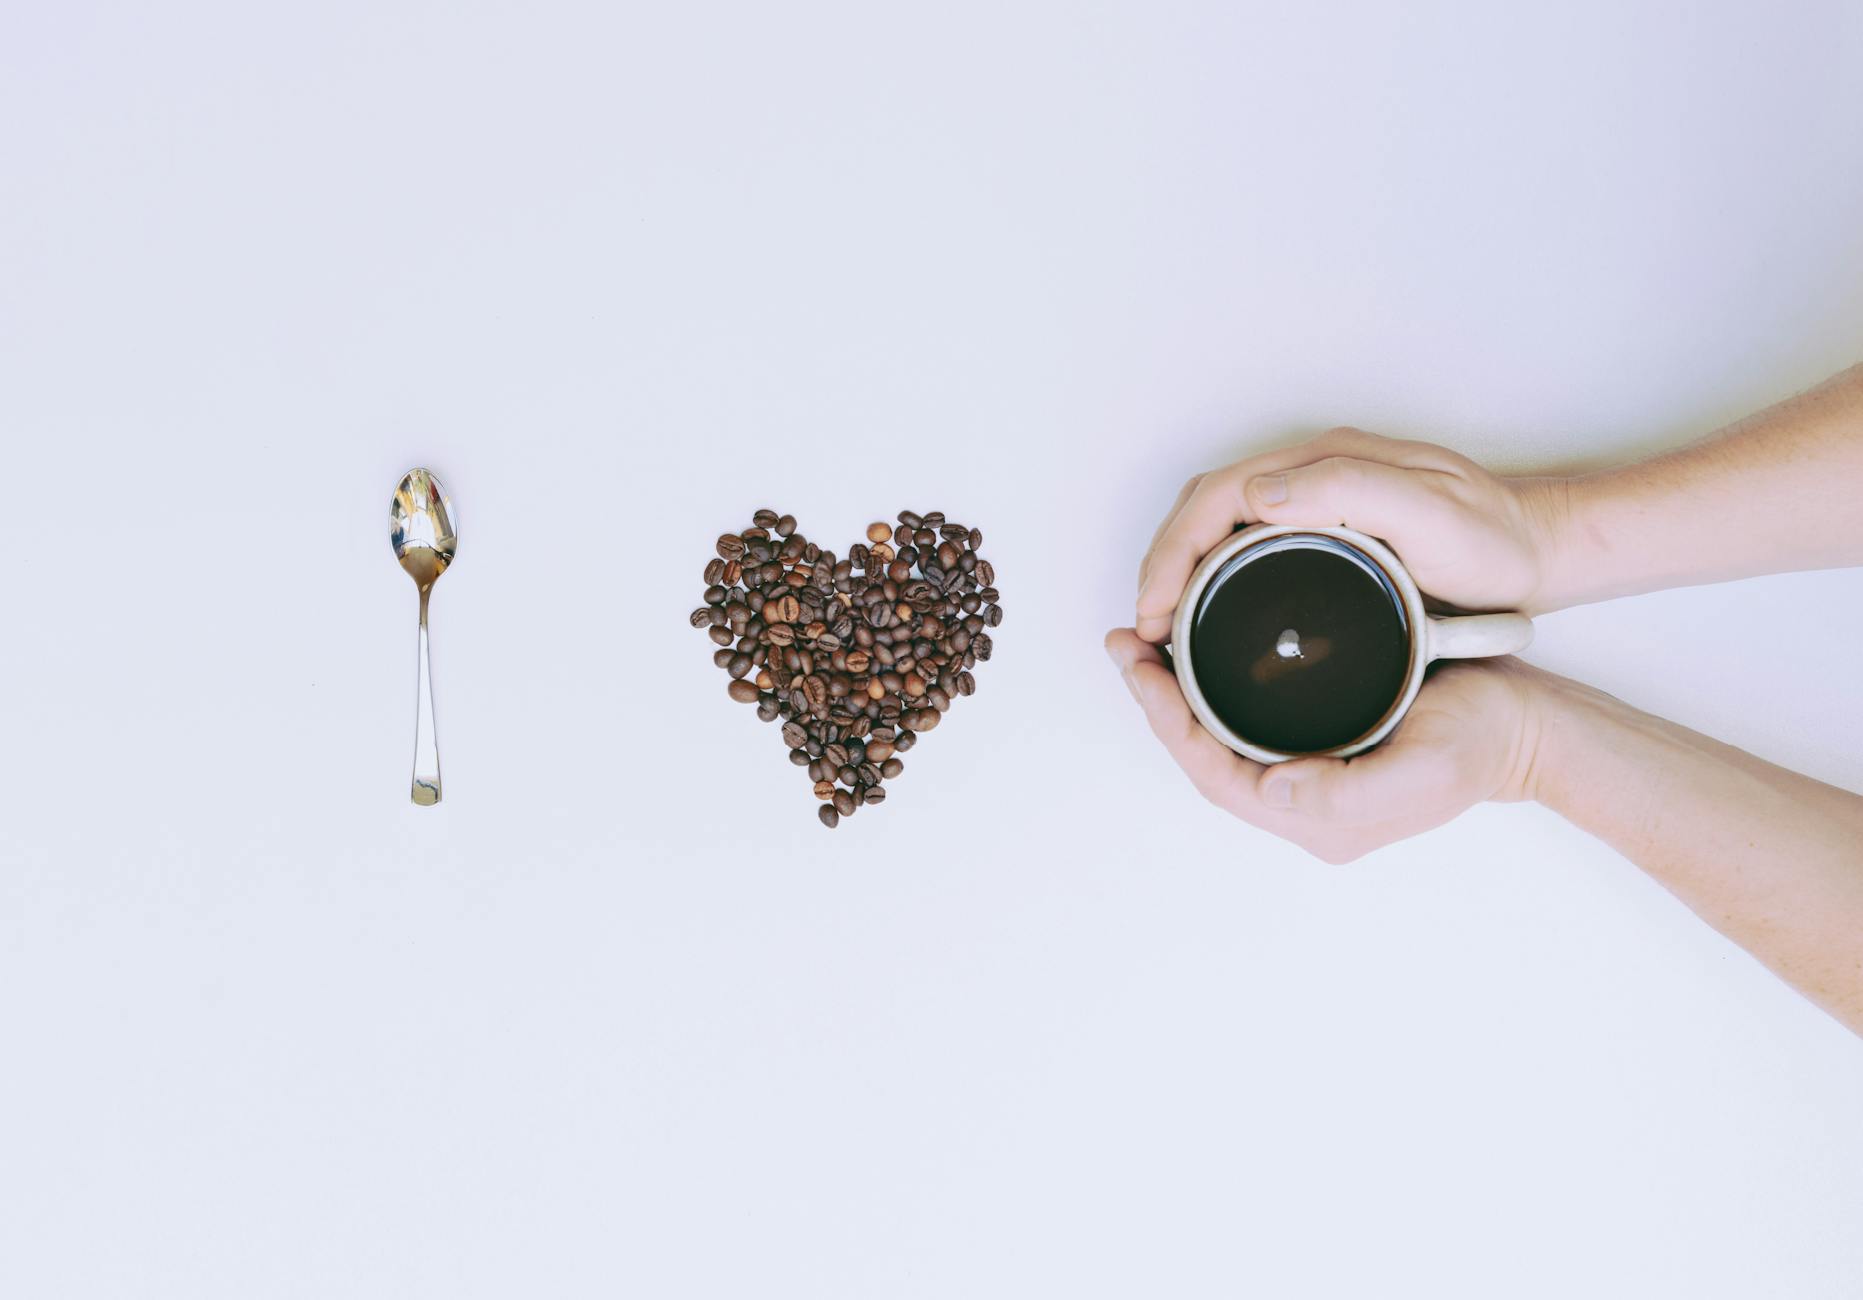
pixel 1253 535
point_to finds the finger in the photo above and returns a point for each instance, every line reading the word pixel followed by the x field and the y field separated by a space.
pixel 1220 775
pixel 1216 504
pixel 1163 524
pixel 1208 515
pixel 1406 780
pixel 1383 500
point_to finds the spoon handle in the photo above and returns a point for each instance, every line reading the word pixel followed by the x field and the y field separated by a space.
pixel 426 788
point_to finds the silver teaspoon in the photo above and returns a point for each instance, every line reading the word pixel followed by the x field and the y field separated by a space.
pixel 421 527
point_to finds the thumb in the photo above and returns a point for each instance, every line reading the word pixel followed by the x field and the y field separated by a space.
pixel 1396 780
pixel 1383 500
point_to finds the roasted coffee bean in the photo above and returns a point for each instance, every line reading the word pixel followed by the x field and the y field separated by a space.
pixel 874 794
pixel 722 635
pixel 764 519
pixel 730 546
pixel 702 616
pixel 714 570
pixel 744 692
pixel 844 803
pixel 891 768
pixel 740 664
pixel 815 691
pixel 786 525
pixel 879 532
pixel 830 818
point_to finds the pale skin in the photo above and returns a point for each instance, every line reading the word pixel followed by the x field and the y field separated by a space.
pixel 1770 858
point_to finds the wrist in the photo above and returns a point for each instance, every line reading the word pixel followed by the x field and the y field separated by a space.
pixel 1555 715
pixel 1549 509
pixel 1562 730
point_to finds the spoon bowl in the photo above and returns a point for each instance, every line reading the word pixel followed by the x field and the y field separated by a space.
pixel 421 531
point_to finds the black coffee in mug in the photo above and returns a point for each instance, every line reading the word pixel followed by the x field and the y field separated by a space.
pixel 1301 645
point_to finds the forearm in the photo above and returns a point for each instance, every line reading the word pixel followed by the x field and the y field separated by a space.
pixel 1770 858
pixel 1779 491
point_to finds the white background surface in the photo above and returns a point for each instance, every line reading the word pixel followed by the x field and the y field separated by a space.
pixel 619 1017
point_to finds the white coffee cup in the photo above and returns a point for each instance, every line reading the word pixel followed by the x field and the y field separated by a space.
pixel 1430 636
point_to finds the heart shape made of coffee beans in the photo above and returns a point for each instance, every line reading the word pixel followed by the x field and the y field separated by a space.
pixel 857 656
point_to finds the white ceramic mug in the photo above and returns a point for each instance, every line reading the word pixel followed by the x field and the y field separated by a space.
pixel 1430 636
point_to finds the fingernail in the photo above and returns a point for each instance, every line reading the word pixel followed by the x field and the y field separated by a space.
pixel 1277 790
pixel 1271 490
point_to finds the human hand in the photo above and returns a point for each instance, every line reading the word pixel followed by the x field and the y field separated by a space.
pixel 1467 536
pixel 1469 737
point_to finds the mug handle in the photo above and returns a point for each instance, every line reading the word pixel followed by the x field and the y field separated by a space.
pixel 1478 636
